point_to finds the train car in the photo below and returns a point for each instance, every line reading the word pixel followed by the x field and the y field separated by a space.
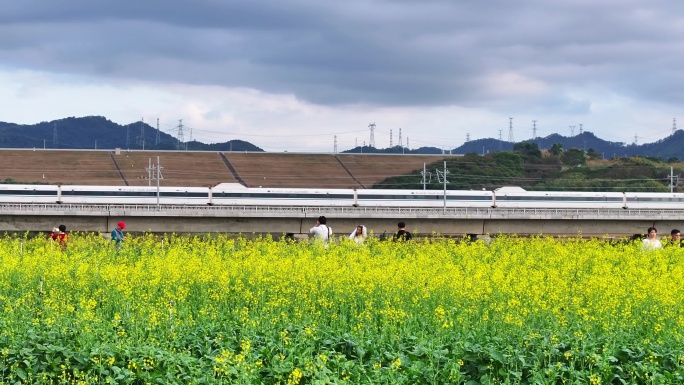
pixel 230 194
pixel 654 200
pixel 134 195
pixel 516 197
pixel 28 193
pixel 423 198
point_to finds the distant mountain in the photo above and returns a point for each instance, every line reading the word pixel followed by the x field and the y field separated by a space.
pixel 393 150
pixel 670 147
pixel 98 132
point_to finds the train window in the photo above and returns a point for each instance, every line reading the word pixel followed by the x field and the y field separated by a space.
pixel 110 193
pixel 183 194
pixel 28 192
pixel 658 199
pixel 559 198
pixel 426 197
pixel 282 196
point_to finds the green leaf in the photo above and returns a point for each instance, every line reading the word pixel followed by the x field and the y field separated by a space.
pixel 21 373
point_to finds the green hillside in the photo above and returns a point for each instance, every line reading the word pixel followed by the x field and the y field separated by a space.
pixel 526 166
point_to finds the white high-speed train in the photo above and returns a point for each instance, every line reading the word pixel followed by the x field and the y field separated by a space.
pixel 235 194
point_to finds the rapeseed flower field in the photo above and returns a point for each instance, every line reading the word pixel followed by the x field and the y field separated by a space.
pixel 213 310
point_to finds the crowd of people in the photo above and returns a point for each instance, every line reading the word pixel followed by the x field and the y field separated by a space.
pixel 59 235
pixel 651 241
pixel 321 231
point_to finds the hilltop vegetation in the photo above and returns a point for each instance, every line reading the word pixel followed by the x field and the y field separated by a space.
pixel 557 169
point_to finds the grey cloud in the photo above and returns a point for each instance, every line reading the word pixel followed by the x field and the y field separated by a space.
pixel 432 52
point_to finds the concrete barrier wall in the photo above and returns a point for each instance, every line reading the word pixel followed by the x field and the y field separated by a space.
pixel 340 226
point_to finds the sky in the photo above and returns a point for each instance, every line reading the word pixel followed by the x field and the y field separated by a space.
pixel 302 75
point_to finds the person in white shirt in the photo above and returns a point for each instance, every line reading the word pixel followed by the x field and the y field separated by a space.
pixel 321 230
pixel 650 242
pixel 359 234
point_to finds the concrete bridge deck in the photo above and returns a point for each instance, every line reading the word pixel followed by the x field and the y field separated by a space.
pixel 279 220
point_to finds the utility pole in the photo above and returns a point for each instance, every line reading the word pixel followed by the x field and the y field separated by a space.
pixel 128 137
pixel 159 177
pixel 154 173
pixel 443 175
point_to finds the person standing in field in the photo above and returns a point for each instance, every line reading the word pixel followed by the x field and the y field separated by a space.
pixel 359 234
pixel 676 238
pixel 60 236
pixel 402 234
pixel 321 229
pixel 650 242
pixel 118 235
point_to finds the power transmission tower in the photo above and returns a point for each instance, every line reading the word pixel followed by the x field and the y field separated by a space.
pixel 128 137
pixel 401 144
pixel 335 145
pixel 534 129
pixel 180 137
pixel 580 128
pixel 468 137
pixel 55 140
pixel 371 142
pixel 510 130
pixel 158 138
pixel 141 138
pixel 390 138
pixel 674 125
pixel 572 130
pixel 407 144
pixel 500 140
pixel 636 140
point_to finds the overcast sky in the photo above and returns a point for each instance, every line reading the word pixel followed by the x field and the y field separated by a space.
pixel 293 74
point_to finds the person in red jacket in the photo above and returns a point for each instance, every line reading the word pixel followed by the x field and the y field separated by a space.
pixel 59 235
